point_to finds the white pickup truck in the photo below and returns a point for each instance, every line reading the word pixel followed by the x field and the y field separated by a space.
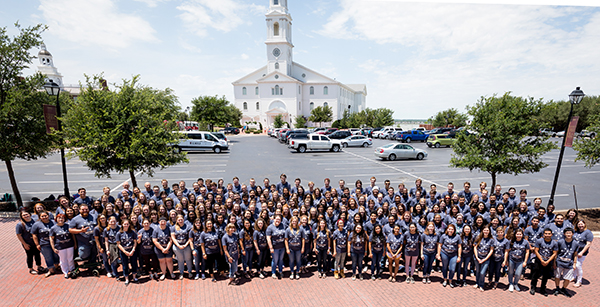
pixel 315 142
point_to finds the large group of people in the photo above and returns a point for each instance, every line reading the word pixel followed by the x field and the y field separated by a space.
pixel 238 231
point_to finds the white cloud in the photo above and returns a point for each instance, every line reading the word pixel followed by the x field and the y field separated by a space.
pixel 95 22
pixel 152 3
pixel 223 15
pixel 245 56
pixel 457 52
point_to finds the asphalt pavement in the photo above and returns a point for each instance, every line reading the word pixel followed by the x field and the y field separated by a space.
pixel 259 157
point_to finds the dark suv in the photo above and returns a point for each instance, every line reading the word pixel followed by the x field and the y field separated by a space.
pixel 230 130
pixel 340 134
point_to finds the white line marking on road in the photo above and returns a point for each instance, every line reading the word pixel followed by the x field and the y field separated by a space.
pixel 555 195
pixel 590 172
pixel 122 183
pixel 394 168
pixel 364 175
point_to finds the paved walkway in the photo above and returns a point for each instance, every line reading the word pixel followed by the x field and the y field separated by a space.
pixel 18 288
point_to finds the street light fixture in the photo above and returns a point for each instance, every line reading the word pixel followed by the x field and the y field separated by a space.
pixel 53 89
pixel 575 98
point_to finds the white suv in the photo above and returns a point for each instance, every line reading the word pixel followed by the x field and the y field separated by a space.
pixel 200 140
pixel 384 133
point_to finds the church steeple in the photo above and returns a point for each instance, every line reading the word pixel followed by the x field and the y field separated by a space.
pixel 279 37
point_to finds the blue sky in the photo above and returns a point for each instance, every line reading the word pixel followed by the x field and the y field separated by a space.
pixel 417 58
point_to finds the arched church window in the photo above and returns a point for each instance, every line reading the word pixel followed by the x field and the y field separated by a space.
pixel 256 90
pixel 276 65
pixel 258 105
pixel 325 104
pixel 326 91
pixel 312 106
pixel 275 2
pixel 244 90
pixel 245 106
pixel 312 90
pixel 276 29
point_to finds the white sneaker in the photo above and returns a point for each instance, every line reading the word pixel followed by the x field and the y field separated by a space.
pixel 292 276
pixel 511 288
pixel 274 276
pixel 297 276
pixel 109 275
pixel 364 270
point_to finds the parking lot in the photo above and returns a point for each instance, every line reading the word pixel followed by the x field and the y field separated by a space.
pixel 259 157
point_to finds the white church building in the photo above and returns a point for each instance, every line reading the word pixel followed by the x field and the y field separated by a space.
pixel 286 87
pixel 48 69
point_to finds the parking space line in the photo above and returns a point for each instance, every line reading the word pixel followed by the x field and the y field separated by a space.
pixel 467 178
pixel 364 175
pixel 347 168
pixel 590 172
pixel 394 168
pixel 545 196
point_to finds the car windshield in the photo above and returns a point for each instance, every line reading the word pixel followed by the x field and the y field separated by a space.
pixel 388 145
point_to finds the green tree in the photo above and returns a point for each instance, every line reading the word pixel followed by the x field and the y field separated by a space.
pixel 450 117
pixel 555 114
pixel 502 146
pixel 300 121
pixel 278 122
pixel 588 150
pixel 321 114
pixel 127 130
pixel 382 117
pixel 214 110
pixel 22 126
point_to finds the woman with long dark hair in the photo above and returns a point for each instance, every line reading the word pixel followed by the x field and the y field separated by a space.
pixel 231 248
pixel 518 253
pixel 357 249
pixel 394 247
pixel 23 230
pixel 146 249
pixel 211 247
pixel 484 250
pixel 247 244
pixel 162 247
pixel 63 242
pixel 127 243
pixel 260 245
pixel 321 236
pixel 294 245
pixel 340 249
pixel 449 252
pixel 377 243
pixel 429 248
pixel 412 246
pixel 467 255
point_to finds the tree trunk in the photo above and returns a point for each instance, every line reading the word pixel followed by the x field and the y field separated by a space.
pixel 133 181
pixel 493 181
pixel 13 183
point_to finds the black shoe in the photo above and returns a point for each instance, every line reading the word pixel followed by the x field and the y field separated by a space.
pixel 557 291
pixel 544 292
pixel 566 292
pixel 532 291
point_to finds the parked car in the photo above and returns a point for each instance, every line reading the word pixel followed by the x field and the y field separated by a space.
pixel 340 134
pixel 302 133
pixel 438 140
pixel 199 141
pixel 354 131
pixel 328 131
pixel 395 151
pixel 230 130
pixel 319 129
pixel 586 134
pixel 560 134
pixel 315 142
pixel 440 130
pixel 367 131
pixel 282 136
pixel 275 132
pixel 383 133
pixel 547 132
pixel 220 136
pixel 357 141
pixel 412 135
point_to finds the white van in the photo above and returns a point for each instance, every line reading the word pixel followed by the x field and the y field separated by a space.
pixel 200 140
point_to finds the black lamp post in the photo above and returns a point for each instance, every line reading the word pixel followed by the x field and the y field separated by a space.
pixel 575 98
pixel 53 89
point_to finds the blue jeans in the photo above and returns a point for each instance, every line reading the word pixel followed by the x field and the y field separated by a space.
pixel 50 256
pixel 233 267
pixel 428 263
pixel 357 261
pixel 277 260
pixel 376 263
pixel 464 267
pixel 84 251
pixel 448 264
pixel 247 259
pixel 199 260
pixel 107 265
pixel 295 260
pixel 184 256
pixel 514 272
pixel 480 271
pixel 126 261
pixel 494 270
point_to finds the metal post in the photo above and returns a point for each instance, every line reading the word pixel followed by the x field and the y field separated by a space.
pixel 62 149
pixel 560 157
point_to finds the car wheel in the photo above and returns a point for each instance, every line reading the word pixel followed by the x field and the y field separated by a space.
pixel 335 148
pixel 217 149
pixel 392 157
pixel 437 145
pixel 408 140
pixel 553 135
pixel 420 156
pixel 344 145
pixel 365 144
pixel 302 149
pixel 178 149
pixel 592 135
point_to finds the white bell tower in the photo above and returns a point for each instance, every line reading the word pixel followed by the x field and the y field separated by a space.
pixel 279 38
pixel 47 68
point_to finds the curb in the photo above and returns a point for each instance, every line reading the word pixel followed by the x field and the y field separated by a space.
pixel 596 234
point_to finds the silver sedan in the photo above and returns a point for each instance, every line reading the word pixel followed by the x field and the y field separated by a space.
pixel 395 151
pixel 357 140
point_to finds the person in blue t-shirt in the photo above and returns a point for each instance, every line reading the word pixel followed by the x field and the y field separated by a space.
pixel 394 248
pixel 63 242
pixel 340 249
pixel 484 250
pixel 357 249
pixel 566 262
pixel 584 237
pixel 545 250
pixel 276 240
pixel 127 243
pixel 231 247
pixel 23 230
pixel 294 245
pixel 518 253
